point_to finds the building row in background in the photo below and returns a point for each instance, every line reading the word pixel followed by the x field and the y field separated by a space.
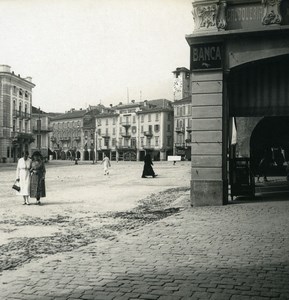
pixel 126 131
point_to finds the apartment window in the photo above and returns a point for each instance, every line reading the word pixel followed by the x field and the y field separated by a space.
pixel 142 118
pixel 157 128
pixel 14 125
pixel 169 116
pixel 113 142
pixel 150 128
pixel 133 119
pixel 113 130
pixel 149 117
pixel 133 143
pixel 169 127
pixel 156 140
pixel 14 89
pixel 141 141
pixel 99 142
pixel 20 93
pixel 99 122
pixel 99 131
pixel 184 110
pixel 126 120
pixel 189 109
pixel 113 121
pixel 106 123
pixel 120 120
pixel 120 142
pixel 141 129
pixel 20 107
pixel 26 95
pixel 169 141
pixel 178 111
pixel 106 131
pixel 157 117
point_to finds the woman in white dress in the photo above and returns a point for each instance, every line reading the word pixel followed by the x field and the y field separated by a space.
pixel 106 164
pixel 23 177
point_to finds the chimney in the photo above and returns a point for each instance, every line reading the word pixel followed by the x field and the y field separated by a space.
pixel 5 68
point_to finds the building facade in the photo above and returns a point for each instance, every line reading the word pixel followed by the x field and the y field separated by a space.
pixel 15 114
pixel 128 131
pixel 182 113
pixel 239 68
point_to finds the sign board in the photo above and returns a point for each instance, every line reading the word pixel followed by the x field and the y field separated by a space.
pixel 174 158
pixel 244 16
pixel 206 57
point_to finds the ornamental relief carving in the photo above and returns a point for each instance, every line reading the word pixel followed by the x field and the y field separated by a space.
pixel 210 16
pixel 205 16
pixel 272 13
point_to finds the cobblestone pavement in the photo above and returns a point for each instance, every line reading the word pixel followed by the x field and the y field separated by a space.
pixel 238 251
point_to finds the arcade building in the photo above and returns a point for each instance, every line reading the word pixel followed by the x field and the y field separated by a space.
pixel 239 67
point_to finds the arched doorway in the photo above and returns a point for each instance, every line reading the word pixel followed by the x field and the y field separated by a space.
pixel 258 99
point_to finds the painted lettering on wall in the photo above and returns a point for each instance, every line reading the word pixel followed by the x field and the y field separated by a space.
pixel 206 56
pixel 244 17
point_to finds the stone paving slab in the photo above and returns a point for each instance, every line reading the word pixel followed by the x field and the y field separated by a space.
pixel 238 251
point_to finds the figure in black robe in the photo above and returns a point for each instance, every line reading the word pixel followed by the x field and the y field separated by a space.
pixel 147 169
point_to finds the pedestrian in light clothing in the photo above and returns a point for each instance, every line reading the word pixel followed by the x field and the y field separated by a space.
pixel 23 176
pixel 38 171
pixel 106 164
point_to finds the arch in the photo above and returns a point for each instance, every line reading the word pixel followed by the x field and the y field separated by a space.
pixel 55 155
pixel 63 155
pixel 260 88
pixel 78 155
pixel 270 132
pixel 86 155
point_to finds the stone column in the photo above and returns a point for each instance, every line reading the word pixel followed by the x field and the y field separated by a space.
pixel 207 173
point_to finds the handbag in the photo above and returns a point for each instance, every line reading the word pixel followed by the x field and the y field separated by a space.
pixel 15 186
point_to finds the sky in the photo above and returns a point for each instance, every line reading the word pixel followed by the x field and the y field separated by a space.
pixel 86 52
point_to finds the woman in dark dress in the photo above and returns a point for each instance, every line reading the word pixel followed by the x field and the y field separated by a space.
pixel 147 169
pixel 37 182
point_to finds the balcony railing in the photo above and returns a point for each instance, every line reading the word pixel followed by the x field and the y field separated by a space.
pixel 126 135
pixel 148 133
pixel 125 124
pixel 180 145
pixel 126 147
pixel 64 138
pixel 42 129
pixel 180 129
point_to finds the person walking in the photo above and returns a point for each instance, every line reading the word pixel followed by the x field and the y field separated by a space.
pixel 148 169
pixel 38 171
pixel 23 176
pixel 106 164
pixel 264 164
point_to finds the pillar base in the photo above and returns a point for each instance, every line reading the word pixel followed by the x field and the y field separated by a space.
pixel 208 193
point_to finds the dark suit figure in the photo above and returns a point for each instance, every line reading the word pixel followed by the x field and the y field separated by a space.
pixel 147 169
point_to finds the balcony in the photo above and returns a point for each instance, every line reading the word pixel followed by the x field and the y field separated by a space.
pixel 64 139
pixel 189 129
pixel 180 129
pixel 148 133
pixel 43 129
pixel 148 147
pixel 126 147
pixel 126 135
pixel 16 113
pixel 180 145
pixel 126 125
